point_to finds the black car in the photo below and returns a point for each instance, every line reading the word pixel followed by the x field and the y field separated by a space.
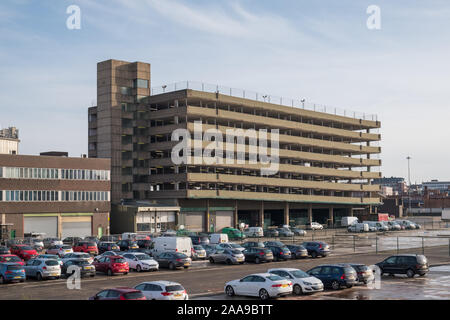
pixel 317 248
pixel 145 244
pixel 409 264
pixel 86 269
pixel 4 250
pixel 297 251
pixel 126 245
pixel 271 233
pixel 199 240
pixel 274 243
pixel 104 246
pixel 253 244
pixel 335 276
pixel 258 254
pixel 280 253
pixel 173 260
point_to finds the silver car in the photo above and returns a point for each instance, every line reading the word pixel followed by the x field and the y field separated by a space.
pixel 50 242
pixel 50 256
pixel 230 245
pixel 78 255
pixel 228 256
pixel 198 252
pixel 42 269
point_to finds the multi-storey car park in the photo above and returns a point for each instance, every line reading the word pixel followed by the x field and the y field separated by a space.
pixel 326 161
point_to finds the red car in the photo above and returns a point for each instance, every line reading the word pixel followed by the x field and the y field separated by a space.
pixel 86 247
pixel 112 265
pixel 11 258
pixel 119 294
pixel 23 251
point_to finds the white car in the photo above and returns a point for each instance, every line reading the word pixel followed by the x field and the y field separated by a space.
pixel 302 282
pixel 230 245
pixel 78 255
pixel 314 226
pixel 162 290
pixel 61 250
pixel 141 261
pixel 262 285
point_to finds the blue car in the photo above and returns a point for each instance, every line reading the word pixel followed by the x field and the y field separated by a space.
pixel 10 272
pixel 317 248
pixel 335 276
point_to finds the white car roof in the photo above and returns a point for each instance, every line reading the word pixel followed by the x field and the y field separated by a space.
pixel 283 269
pixel 161 282
pixel 261 274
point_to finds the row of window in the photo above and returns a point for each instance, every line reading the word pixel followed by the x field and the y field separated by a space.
pixel 46 173
pixel 47 195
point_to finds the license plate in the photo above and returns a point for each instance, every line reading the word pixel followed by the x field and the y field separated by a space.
pixel 178 295
pixel 186 263
pixel 17 277
pixel 284 286
pixel 88 268
pixel 54 274
pixel 240 259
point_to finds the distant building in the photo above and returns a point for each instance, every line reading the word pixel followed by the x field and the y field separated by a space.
pixel 397 184
pixel 9 141
pixel 387 191
pixel 442 186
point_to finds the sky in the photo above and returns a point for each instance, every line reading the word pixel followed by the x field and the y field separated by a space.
pixel 322 51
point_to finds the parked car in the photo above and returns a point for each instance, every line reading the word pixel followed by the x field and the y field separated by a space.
pixel 172 244
pixel 233 233
pixel 258 255
pixel 364 273
pixel 280 253
pixel 141 261
pixel 198 252
pixel 86 268
pixel 252 244
pixel 409 264
pixel 36 244
pixel 162 290
pixel 358 227
pixel 231 245
pixel 254 232
pixel 217 238
pixel 271 233
pixel 4 250
pixel 104 246
pixel 302 281
pixel 298 232
pixel 126 245
pixel 92 239
pixel 60 250
pixel 11 258
pixel 109 238
pixel 49 242
pixel 78 255
pixel 314 226
pixel 297 251
pixel 199 240
pixel 317 248
pixel 285 232
pixel 112 265
pixel 121 293
pixel 145 244
pixel 23 251
pixel 274 243
pixel 11 272
pixel 395 225
pixel 42 269
pixel 86 247
pixel 334 276
pixel 262 285
pixel 71 240
pixel 228 256
pixel 173 260
pixel 209 248
pixel 107 254
pixel 50 256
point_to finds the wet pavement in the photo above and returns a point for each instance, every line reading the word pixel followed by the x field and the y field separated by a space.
pixel 434 286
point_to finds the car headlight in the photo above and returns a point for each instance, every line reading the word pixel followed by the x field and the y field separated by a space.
pixel 307 283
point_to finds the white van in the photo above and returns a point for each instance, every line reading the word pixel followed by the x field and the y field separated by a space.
pixel 217 238
pixel 378 225
pixel 358 227
pixel 129 236
pixel 254 232
pixel 172 244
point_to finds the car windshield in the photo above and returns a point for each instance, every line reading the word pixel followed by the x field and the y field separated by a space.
pixel 12 259
pixel 83 255
pixel 133 295
pixel 51 262
pixel 92 244
pixel 119 260
pixel 66 247
pixel 180 256
pixel 235 251
pixel 80 262
pixel 198 248
pixel 175 287
pixel 234 245
pixel 143 257
pixel 300 274
pixel 274 278
pixel 26 248
pixel 15 267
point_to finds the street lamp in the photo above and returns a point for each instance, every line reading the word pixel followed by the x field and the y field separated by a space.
pixel 303 102
pixel 264 97
pixel 164 88
pixel 409 182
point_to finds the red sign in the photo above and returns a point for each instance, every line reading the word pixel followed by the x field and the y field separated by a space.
pixel 383 217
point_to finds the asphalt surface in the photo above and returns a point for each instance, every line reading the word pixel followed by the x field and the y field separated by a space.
pixel 200 281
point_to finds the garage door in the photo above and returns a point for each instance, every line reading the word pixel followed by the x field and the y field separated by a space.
pixel 224 219
pixel 194 221
pixel 47 225
pixel 76 227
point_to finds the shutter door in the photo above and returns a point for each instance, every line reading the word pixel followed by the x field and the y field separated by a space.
pixel 76 227
pixel 224 219
pixel 194 221
pixel 47 225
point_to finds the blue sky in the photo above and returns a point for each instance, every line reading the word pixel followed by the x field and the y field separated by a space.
pixel 320 50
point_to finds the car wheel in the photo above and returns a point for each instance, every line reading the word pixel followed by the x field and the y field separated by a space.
pixel 229 291
pixel 335 285
pixel 171 266
pixel 186 267
pixel 314 254
pixel 138 268
pixel 410 273
pixel 422 274
pixel 211 260
pixel 39 276
pixel 22 280
pixel 229 261
pixel 349 286
pixel 110 273
pixel 257 261
pixel 298 290
pixel 263 294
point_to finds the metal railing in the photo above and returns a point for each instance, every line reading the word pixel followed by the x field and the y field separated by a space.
pixel 252 95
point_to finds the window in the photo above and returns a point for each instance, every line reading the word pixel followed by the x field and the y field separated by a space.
pixel 125 91
pixel 140 83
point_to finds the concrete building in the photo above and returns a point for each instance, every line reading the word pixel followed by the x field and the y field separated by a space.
pixel 9 141
pixel 58 196
pixel 442 186
pixel 398 184
pixel 325 169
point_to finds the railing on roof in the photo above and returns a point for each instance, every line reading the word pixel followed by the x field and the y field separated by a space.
pixel 251 95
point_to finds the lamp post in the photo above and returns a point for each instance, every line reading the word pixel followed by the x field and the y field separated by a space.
pixel 303 103
pixel 409 182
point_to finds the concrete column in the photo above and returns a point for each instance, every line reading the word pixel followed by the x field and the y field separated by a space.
pixel 350 212
pixel 286 213
pixel 207 225
pixel 330 216
pixel 310 217
pixel 59 226
pixel 261 215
